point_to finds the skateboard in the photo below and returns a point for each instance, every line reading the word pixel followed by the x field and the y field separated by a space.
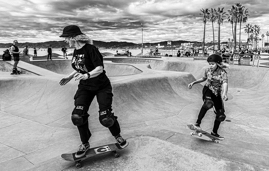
pixel 109 148
pixel 200 133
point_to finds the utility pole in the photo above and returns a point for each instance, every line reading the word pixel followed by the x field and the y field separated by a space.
pixel 142 38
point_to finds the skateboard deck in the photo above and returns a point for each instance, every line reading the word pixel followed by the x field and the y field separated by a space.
pixel 109 148
pixel 200 133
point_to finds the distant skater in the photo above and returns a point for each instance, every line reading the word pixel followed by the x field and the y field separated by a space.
pixel 214 92
pixel 35 52
pixel 64 50
pixel 49 53
pixel 15 53
pixel 88 66
pixel 26 51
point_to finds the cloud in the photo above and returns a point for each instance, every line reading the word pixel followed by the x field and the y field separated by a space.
pixel 119 20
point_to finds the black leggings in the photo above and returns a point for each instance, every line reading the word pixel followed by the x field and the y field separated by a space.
pixel 84 98
pixel 49 56
pixel 218 105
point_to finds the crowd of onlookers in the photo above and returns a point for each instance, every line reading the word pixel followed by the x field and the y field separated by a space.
pixel 225 53
pixel 6 56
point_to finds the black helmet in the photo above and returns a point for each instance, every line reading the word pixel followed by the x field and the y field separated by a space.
pixel 214 58
pixel 71 31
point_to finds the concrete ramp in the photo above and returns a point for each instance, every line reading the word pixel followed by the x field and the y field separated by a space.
pixel 153 108
pixel 27 68
pixel 64 67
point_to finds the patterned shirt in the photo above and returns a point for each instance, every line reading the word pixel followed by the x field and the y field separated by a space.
pixel 215 79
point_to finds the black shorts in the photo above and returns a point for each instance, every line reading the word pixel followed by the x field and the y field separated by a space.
pixel 84 97
pixel 16 58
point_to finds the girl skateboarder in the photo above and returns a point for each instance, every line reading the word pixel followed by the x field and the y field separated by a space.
pixel 88 66
pixel 214 92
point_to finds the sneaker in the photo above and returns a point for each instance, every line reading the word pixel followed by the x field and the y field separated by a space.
pixel 197 126
pixel 217 135
pixel 82 150
pixel 122 142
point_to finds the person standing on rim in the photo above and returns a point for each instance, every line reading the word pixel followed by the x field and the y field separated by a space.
pixel 35 52
pixel 15 52
pixel 49 53
pixel 88 66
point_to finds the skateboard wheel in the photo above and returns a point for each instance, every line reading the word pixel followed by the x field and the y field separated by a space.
pixel 200 134
pixel 215 141
pixel 78 164
pixel 116 155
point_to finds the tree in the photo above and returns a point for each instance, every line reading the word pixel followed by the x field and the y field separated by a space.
pixel 262 40
pixel 231 20
pixel 267 34
pixel 256 32
pixel 220 15
pixel 234 11
pixel 243 16
pixel 248 30
pixel 212 17
pixel 205 14
pixel 251 38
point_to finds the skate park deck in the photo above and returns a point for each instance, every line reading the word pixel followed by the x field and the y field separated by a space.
pixel 153 105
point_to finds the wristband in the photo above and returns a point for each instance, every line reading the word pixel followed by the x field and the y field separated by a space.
pixel 89 75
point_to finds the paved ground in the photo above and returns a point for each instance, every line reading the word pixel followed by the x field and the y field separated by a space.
pixel 153 104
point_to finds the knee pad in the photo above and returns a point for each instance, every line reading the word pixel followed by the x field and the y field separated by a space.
pixel 220 116
pixel 79 116
pixel 107 118
pixel 208 103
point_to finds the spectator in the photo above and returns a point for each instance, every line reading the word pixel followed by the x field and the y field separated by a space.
pixel 25 51
pixel 49 53
pixel 64 50
pixel 35 52
pixel 6 55
pixel 15 52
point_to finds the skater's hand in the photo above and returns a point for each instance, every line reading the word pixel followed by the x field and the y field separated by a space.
pixel 65 80
pixel 190 85
pixel 79 76
pixel 225 97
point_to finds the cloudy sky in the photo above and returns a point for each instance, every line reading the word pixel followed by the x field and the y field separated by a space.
pixel 120 20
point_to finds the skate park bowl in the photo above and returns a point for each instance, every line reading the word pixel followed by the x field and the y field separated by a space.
pixel 64 67
pixel 153 105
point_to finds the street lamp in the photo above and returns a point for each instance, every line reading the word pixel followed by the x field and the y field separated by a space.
pixel 142 38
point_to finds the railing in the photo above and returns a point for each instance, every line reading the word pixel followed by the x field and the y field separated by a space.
pixel 241 59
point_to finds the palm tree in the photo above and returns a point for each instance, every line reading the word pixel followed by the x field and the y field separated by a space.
pixel 235 14
pixel 251 38
pixel 231 19
pixel 248 30
pixel 267 34
pixel 262 39
pixel 221 15
pixel 256 32
pixel 205 13
pixel 243 19
pixel 212 18
pixel 243 16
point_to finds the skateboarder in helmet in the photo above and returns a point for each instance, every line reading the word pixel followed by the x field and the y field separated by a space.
pixel 214 92
pixel 88 66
